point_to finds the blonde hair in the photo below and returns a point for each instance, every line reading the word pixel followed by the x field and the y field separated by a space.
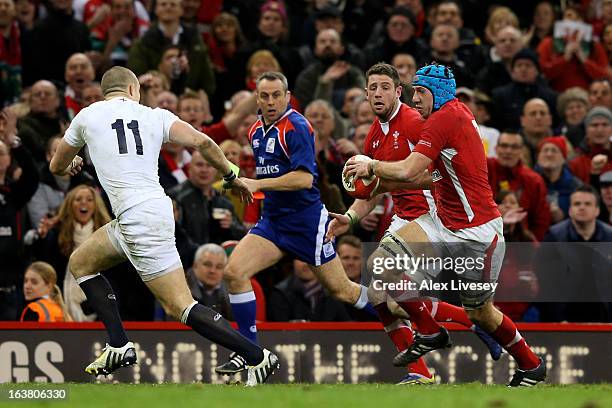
pixel 49 276
pixel 226 144
pixel 189 94
pixel 117 79
pixel 262 55
pixel 162 77
pixel 498 14
pixel 67 222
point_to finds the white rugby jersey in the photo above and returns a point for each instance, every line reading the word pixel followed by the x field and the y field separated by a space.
pixel 124 139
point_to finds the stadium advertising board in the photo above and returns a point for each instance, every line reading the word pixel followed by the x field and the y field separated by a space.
pixel 314 353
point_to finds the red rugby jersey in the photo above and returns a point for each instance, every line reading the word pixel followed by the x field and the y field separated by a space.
pixel 393 141
pixel 462 193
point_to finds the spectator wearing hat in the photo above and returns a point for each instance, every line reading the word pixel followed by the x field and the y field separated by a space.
pixel 398 38
pixel 574 66
pixel 605 189
pixel 330 17
pixel 479 105
pixel 329 77
pixel 560 182
pixel 600 93
pixel 146 53
pixel 272 31
pixel 595 153
pixel 114 34
pixel 572 107
pixel 507 172
pixel 444 43
pixel 526 84
pixel 536 124
pixel 497 71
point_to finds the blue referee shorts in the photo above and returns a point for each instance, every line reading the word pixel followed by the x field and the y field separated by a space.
pixel 300 235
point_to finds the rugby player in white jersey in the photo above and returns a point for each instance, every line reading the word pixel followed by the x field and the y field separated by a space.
pixel 124 139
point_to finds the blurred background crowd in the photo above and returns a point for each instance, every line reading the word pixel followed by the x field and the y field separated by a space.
pixel 536 75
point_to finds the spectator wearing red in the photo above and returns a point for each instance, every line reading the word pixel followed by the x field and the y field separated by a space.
pixel 560 182
pixel 574 66
pixel 116 33
pixel 79 72
pixel 595 154
pixel 507 172
pixel 192 109
pixel 10 54
pixel 224 40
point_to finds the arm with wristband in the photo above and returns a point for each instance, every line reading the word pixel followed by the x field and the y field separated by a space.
pixel 342 222
pixel 184 134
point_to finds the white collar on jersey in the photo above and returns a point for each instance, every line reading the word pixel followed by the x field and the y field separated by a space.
pixel 385 125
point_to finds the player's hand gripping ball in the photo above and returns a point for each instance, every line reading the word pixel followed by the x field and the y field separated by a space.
pixel 359 187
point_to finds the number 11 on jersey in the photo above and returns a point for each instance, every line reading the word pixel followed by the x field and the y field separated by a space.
pixel 118 126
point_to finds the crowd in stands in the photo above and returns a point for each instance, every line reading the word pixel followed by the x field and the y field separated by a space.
pixel 541 98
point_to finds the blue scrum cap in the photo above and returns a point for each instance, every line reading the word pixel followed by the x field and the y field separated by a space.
pixel 440 80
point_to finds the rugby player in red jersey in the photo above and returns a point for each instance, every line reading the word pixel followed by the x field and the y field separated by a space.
pixel 465 215
pixel 392 137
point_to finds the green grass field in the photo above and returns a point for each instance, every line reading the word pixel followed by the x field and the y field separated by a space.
pixel 319 396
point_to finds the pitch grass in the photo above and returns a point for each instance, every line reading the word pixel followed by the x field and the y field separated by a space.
pixel 319 396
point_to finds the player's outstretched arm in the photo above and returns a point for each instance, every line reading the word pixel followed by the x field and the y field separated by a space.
pixel 424 183
pixel 65 160
pixel 292 181
pixel 342 222
pixel 184 134
pixel 410 170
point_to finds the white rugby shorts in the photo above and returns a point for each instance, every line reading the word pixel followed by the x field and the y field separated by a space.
pixel 144 234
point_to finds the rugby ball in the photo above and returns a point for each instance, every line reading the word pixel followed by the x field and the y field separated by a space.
pixel 359 187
